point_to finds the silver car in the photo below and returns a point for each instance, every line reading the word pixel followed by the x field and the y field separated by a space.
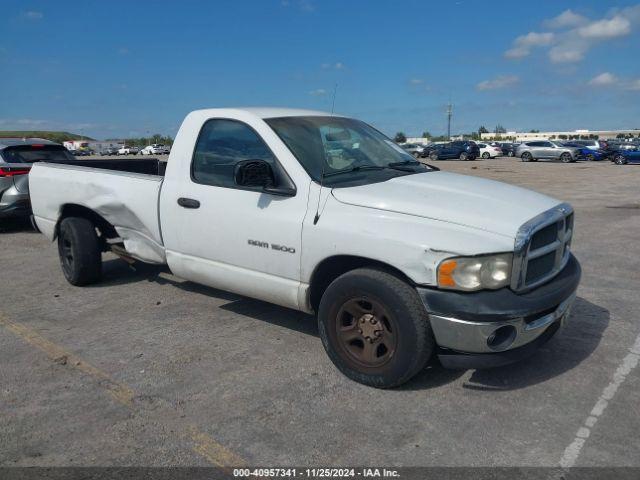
pixel 414 149
pixel 547 150
pixel 16 157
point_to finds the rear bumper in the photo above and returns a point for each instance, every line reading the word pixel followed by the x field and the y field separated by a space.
pixel 491 328
pixel 14 204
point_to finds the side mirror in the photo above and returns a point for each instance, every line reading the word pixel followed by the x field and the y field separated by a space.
pixel 258 173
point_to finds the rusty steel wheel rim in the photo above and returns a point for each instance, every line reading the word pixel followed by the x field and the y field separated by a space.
pixel 366 333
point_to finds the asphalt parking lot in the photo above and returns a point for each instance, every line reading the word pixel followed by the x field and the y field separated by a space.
pixel 147 369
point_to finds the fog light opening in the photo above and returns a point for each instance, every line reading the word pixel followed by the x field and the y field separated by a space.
pixel 502 338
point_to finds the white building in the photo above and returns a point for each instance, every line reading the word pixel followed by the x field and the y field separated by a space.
pixel 562 135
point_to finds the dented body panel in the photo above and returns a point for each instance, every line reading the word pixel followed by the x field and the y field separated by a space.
pixel 128 201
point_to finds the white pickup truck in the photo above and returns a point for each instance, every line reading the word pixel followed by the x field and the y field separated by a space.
pixel 324 214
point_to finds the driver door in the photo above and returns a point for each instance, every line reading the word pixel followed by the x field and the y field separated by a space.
pixel 239 239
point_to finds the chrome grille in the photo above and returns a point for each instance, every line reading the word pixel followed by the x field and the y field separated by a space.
pixel 542 247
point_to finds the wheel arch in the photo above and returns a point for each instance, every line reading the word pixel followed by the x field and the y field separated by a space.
pixel 75 210
pixel 332 267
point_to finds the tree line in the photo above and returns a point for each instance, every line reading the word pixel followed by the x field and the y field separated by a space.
pixel 144 141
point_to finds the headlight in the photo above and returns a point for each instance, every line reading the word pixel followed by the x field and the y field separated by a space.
pixel 475 273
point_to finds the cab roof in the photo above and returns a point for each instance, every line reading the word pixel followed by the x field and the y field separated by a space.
pixel 268 112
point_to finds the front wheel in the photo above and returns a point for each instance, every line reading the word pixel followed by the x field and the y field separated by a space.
pixel 510 154
pixel 619 159
pixel 416 154
pixel 433 156
pixel 591 157
pixel 375 328
pixel 464 156
pixel 79 251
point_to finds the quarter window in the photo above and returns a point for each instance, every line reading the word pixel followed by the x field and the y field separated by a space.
pixel 221 145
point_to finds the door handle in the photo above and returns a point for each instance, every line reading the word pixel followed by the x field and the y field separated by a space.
pixel 188 202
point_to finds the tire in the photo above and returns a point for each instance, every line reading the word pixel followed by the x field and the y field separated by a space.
pixel 433 156
pixel 464 156
pixel 590 157
pixel 416 154
pixel 79 251
pixel 619 159
pixel 485 155
pixel 510 154
pixel 396 342
pixel 526 157
pixel 566 158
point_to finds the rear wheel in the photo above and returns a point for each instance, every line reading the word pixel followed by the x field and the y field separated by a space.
pixel 375 328
pixel 619 159
pixel 485 155
pixel 79 251
pixel 527 157
pixel 510 154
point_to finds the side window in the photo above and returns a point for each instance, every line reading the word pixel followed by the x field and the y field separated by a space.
pixel 221 145
pixel 547 144
pixel 535 144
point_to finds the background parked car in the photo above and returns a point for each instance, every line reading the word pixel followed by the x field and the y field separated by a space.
pixel 108 151
pixel 128 150
pixel 489 151
pixel 82 152
pixel 588 153
pixel 509 149
pixel 155 149
pixel 546 150
pixel 615 146
pixel 414 149
pixel 464 150
pixel 590 144
pixel 16 157
pixel 624 156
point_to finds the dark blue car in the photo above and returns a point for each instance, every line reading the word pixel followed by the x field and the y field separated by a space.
pixel 588 153
pixel 621 157
pixel 464 150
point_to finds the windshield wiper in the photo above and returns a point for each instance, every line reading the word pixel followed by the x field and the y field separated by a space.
pixel 405 166
pixel 352 169
pixel 405 162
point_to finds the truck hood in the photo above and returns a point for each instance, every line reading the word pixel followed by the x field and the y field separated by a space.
pixel 464 200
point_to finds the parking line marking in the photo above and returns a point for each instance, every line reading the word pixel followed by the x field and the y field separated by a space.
pixel 203 444
pixel 572 452
pixel 212 450
pixel 121 393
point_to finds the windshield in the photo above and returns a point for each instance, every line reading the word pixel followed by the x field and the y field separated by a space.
pixel 36 153
pixel 343 150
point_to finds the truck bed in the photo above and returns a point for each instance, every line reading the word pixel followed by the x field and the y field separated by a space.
pixel 125 193
pixel 148 166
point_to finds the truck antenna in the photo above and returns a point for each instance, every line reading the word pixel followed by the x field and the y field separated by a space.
pixel 333 102
pixel 317 216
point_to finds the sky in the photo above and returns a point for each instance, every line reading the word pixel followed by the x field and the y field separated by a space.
pixel 113 69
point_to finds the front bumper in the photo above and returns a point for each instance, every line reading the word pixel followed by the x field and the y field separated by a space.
pixel 491 328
